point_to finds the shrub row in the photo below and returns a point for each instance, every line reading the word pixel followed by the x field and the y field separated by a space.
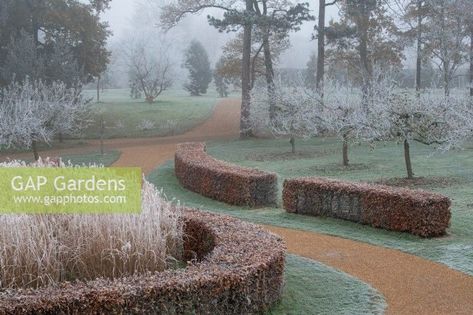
pixel 232 184
pixel 241 272
pixel 414 211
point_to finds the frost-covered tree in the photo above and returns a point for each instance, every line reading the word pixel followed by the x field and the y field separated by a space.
pixel 429 118
pixel 343 114
pixel 32 112
pixel 149 71
pixel 304 112
pixel 296 113
pixel 196 61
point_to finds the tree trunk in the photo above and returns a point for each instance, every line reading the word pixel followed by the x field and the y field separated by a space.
pixel 35 150
pixel 293 144
pixel 446 81
pixel 419 48
pixel 365 63
pixel 346 161
pixel 321 47
pixel 407 158
pixel 245 129
pixel 268 63
pixel 102 135
pixel 471 61
pixel 60 137
pixel 150 99
pixel 98 89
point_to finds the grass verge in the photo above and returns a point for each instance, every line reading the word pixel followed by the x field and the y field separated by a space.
pixel 311 286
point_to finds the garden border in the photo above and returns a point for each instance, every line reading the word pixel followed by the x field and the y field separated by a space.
pixel 417 212
pixel 222 181
pixel 235 268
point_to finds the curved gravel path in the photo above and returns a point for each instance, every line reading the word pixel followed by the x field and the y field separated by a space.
pixel 410 284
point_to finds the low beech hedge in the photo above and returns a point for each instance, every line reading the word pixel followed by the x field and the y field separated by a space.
pixel 398 209
pixel 222 181
pixel 234 268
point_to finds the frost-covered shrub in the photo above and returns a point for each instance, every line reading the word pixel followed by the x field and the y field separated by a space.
pixel 172 126
pixel 42 250
pixel 34 111
pixel 146 125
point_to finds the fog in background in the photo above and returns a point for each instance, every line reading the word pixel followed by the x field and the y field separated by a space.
pixel 131 19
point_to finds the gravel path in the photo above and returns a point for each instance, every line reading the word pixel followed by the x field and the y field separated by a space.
pixel 410 284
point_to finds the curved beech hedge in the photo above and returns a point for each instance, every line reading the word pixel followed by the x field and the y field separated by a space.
pixel 414 211
pixel 232 184
pixel 240 271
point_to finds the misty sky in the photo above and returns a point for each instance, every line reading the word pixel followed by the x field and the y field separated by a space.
pixel 121 17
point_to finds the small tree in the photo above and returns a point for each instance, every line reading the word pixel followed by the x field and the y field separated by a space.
pixel 198 64
pixel 343 114
pixel 429 118
pixel 149 73
pixel 33 111
pixel 295 116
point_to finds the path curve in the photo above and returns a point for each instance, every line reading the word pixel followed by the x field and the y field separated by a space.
pixel 410 284
pixel 150 152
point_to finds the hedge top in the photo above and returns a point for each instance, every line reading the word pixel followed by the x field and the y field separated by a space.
pixel 196 151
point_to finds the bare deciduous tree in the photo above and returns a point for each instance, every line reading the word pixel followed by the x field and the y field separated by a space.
pixel 149 71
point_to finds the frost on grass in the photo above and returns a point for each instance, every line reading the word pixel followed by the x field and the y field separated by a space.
pixel 44 250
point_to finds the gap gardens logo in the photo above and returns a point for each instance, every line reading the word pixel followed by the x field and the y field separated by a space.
pixel 70 190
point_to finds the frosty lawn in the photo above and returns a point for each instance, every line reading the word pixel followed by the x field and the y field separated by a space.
pixel 173 113
pixel 313 287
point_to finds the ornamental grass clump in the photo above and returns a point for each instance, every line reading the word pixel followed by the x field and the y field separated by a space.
pixel 45 250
